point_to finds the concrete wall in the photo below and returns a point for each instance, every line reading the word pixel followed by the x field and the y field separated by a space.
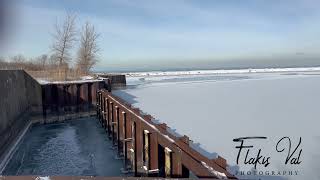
pixel 34 94
pixel 20 96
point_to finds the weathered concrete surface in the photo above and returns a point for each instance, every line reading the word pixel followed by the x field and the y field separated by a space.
pixel 20 97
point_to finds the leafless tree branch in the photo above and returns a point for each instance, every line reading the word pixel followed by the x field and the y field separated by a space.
pixel 89 49
pixel 64 39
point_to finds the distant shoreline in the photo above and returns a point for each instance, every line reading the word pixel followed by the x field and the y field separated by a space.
pixel 217 72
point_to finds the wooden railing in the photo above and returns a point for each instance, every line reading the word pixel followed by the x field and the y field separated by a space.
pixel 147 148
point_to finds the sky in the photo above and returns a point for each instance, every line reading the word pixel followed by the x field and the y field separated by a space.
pixel 164 34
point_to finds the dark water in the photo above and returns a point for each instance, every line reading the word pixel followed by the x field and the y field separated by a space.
pixel 77 147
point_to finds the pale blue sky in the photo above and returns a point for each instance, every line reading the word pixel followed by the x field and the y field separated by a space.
pixel 177 33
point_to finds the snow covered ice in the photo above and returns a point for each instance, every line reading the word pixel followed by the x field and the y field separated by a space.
pixel 214 109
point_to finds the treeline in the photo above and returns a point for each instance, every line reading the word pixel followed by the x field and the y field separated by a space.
pixel 41 63
pixel 66 37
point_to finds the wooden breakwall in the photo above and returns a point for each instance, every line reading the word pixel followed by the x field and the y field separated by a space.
pixel 115 79
pixel 70 100
pixel 148 149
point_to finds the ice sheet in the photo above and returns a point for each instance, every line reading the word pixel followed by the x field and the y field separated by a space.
pixel 214 112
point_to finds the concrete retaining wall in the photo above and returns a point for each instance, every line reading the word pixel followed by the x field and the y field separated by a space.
pixel 19 98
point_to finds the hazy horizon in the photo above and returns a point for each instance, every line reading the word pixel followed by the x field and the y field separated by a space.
pixel 174 34
pixel 207 65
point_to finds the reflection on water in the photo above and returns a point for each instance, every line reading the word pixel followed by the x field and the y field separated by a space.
pixel 77 147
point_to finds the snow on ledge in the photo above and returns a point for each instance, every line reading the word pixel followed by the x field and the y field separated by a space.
pixel 87 78
pixel 218 174
pixel 43 82
pixel 43 178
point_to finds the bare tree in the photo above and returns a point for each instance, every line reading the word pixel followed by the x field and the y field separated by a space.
pixel 2 63
pixel 52 60
pixel 42 61
pixel 64 39
pixel 88 50
pixel 18 61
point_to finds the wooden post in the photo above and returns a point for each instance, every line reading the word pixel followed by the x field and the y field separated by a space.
pixel 101 106
pixel 110 119
pixel 126 139
pixel 146 149
pixel 103 111
pixel 112 124
pixel 168 162
pixel 118 131
pixel 133 150
pixel 97 104
pixel 106 114
pixel 176 164
pixel 154 154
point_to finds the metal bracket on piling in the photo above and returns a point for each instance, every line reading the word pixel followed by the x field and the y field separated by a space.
pixel 127 139
pixel 128 168
pixel 151 171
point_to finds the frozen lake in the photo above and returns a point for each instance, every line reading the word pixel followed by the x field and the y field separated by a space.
pixel 72 148
pixel 215 109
